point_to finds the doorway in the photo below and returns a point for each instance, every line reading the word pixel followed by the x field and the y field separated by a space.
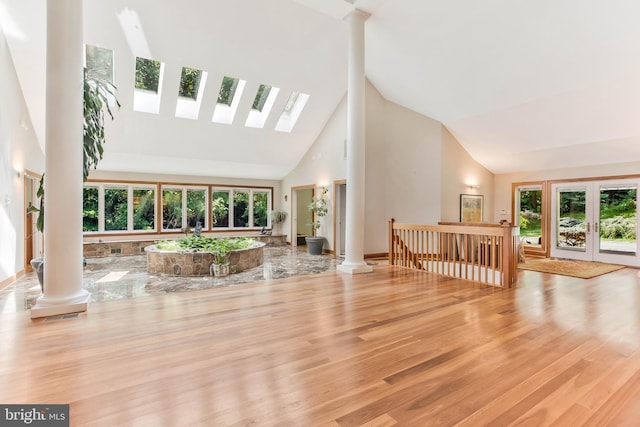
pixel 33 244
pixel 302 218
pixel 595 221
pixel 340 215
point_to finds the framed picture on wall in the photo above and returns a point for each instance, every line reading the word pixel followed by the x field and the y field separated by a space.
pixel 471 207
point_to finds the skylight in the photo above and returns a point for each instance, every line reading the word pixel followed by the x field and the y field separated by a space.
pixel 148 85
pixel 228 99
pixel 292 110
pixel 189 82
pixel 262 104
pixel 99 62
pixel 190 90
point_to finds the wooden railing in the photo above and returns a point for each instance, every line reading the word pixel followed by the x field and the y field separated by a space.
pixel 485 253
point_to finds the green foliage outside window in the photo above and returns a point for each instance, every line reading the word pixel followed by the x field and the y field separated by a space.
pixel 572 203
pixel 144 205
pixel 618 213
pixel 260 209
pixel 227 90
pixel 220 209
pixel 171 209
pixel 261 97
pixel 115 209
pixel 147 74
pixel 189 83
pixel 196 207
pixel 530 213
pixel 241 209
pixel 90 209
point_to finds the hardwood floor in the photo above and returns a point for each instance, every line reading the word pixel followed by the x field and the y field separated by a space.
pixel 395 347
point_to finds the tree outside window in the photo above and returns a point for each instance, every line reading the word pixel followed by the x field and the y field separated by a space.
pixel 144 206
pixel 240 209
pixel 90 206
pixel 115 209
pixel 260 209
pixel 220 209
pixel 196 207
pixel 171 209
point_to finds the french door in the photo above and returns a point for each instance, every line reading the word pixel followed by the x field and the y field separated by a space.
pixel 595 221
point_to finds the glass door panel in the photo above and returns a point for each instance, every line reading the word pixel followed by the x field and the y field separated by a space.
pixel 529 201
pixel 617 223
pixel 571 221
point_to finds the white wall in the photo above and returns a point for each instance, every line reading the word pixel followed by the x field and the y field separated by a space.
pixel 323 164
pixel 19 151
pixel 403 171
pixel 459 171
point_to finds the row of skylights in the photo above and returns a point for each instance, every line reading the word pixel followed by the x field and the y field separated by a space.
pixel 148 90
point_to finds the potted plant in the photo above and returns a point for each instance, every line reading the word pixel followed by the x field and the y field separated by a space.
pixel 320 209
pixel 277 217
pixel 98 93
pixel 220 265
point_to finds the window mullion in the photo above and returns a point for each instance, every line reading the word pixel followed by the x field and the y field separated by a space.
pixel 101 208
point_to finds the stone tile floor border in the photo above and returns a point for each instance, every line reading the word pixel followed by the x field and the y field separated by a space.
pixel 115 278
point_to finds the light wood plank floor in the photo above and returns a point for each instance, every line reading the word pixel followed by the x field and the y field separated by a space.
pixel 395 347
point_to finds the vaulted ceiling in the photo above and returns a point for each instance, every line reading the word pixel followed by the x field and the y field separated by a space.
pixel 522 85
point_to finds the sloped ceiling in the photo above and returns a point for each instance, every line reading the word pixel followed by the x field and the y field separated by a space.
pixel 522 85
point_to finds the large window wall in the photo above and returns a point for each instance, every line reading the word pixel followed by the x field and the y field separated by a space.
pixel 139 208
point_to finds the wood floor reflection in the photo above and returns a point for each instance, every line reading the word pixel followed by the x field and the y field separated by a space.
pixel 395 347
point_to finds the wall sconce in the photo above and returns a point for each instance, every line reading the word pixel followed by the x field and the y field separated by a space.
pixel 285 197
pixel 474 186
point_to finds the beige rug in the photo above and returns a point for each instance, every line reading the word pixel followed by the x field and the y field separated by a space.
pixel 565 267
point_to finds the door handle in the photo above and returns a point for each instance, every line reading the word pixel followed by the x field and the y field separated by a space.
pixel 595 227
pixel 588 227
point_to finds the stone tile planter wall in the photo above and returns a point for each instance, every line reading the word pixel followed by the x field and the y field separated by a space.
pixel 199 263
pixel 131 247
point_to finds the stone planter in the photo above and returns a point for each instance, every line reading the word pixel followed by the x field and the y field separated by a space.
pixel 189 263
pixel 314 244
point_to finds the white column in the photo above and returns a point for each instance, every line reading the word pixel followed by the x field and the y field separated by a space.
pixel 354 243
pixel 63 292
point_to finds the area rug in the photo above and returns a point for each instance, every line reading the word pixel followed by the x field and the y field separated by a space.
pixel 565 267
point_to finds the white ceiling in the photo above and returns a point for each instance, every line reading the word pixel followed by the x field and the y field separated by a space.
pixel 522 85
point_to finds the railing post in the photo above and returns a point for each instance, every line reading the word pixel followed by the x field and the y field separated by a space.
pixel 391 252
pixel 507 255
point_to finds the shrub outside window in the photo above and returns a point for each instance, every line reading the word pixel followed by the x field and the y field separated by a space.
pixel 115 209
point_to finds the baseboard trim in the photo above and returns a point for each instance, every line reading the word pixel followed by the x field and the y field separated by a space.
pixel 376 255
pixel 9 280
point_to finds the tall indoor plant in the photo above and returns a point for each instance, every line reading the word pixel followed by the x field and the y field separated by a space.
pixel 319 208
pixel 98 94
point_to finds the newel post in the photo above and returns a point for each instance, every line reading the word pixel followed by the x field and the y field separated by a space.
pixel 509 256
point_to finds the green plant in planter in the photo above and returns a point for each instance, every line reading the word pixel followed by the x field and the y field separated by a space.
pixel 221 257
pixel 319 208
pixel 277 217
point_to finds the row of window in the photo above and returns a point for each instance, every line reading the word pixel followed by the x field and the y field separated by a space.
pixel 139 208
pixel 148 84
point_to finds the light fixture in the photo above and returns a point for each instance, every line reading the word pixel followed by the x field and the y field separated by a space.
pixel 474 186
